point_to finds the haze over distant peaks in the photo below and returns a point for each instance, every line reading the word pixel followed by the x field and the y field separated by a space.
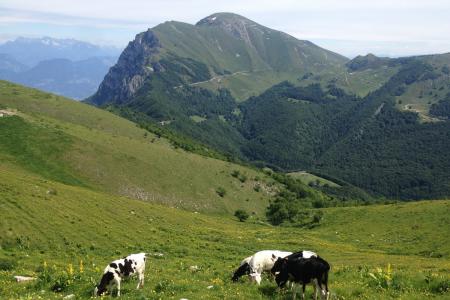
pixel 30 51
pixel 66 67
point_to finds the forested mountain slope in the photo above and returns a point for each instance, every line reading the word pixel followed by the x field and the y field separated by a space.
pixel 325 113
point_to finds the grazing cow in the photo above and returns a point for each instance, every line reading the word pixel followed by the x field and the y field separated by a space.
pixel 299 254
pixel 122 268
pixel 304 271
pixel 244 269
pixel 263 261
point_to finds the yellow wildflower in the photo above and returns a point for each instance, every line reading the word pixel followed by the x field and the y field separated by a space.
pixel 70 269
pixel 389 272
pixel 81 266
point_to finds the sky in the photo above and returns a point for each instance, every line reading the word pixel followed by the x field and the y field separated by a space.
pixel 350 27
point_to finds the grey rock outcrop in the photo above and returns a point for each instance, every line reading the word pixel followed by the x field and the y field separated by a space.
pixel 135 64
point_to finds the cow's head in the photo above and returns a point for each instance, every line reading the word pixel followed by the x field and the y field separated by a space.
pixel 281 271
pixel 278 264
pixel 106 281
pixel 241 271
pixel 255 277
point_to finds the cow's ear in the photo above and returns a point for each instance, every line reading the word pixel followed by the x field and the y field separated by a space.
pixel 274 257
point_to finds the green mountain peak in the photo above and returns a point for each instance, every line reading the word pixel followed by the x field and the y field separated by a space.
pixel 222 18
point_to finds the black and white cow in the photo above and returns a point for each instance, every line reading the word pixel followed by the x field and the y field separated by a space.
pixel 244 269
pixel 299 254
pixel 303 271
pixel 262 261
pixel 128 266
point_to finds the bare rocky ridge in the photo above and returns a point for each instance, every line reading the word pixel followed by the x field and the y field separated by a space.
pixel 135 64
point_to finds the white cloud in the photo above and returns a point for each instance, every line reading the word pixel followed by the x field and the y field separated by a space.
pixel 19 16
pixel 142 9
pixel 361 21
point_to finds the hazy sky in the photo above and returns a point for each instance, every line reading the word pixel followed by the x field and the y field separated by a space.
pixel 350 27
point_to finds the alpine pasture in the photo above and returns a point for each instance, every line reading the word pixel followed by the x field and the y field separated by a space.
pixel 81 187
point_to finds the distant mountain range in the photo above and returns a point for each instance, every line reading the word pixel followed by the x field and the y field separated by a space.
pixel 8 64
pixel 31 51
pixel 63 66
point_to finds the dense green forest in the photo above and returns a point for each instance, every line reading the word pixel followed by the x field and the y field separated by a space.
pixel 442 108
pixel 290 127
pixel 389 152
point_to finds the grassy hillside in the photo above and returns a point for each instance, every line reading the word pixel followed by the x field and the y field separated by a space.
pixel 311 179
pixel 65 235
pixel 434 86
pixel 81 145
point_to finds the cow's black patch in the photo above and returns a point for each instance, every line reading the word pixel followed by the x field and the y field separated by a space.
pixel 104 282
pixel 126 269
pixel 113 265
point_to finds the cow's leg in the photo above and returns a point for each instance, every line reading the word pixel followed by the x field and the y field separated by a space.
pixel 315 285
pixel 118 286
pixel 320 288
pixel 303 291
pixel 294 291
pixel 324 280
pixel 326 292
pixel 141 281
pixel 327 296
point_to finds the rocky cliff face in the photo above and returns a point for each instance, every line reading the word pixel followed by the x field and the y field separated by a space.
pixel 137 62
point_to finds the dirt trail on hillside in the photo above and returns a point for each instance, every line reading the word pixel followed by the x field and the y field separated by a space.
pixel 214 78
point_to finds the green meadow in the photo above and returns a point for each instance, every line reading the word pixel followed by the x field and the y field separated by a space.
pixel 65 235
pixel 310 179
pixel 80 187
